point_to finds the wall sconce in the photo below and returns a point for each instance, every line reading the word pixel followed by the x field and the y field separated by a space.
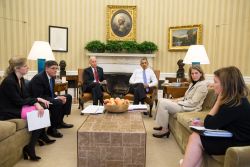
pixel 196 54
pixel 41 51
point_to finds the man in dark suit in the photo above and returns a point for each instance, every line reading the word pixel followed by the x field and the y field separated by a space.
pixel 93 79
pixel 42 85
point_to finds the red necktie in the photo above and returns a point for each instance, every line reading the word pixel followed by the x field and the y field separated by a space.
pixel 96 75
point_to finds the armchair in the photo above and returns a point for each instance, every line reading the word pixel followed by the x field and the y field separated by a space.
pixel 152 94
pixel 86 96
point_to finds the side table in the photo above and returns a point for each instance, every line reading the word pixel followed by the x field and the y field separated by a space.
pixel 74 80
pixel 174 91
pixel 61 87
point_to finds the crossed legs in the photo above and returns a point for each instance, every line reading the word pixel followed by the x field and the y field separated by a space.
pixel 194 151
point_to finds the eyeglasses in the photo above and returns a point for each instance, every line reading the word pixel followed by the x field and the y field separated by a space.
pixel 54 68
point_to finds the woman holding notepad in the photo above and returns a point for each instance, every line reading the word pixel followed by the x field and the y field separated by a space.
pixel 230 112
pixel 15 100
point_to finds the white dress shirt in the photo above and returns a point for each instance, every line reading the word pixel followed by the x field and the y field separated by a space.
pixel 137 77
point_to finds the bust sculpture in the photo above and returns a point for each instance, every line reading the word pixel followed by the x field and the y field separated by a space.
pixel 180 71
pixel 62 65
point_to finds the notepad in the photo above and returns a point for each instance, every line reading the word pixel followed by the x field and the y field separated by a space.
pixel 211 132
pixel 93 109
pixel 35 122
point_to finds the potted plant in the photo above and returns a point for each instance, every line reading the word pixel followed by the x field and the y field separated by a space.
pixel 113 46
pixel 95 46
pixel 147 47
pixel 129 46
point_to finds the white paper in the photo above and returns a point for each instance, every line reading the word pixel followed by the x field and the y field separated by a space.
pixel 93 109
pixel 137 107
pixel 35 122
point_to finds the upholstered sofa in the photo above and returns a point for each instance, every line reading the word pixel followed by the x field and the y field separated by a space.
pixel 179 126
pixel 14 136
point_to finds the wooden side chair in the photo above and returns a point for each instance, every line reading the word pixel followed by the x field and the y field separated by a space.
pixel 152 94
pixel 86 96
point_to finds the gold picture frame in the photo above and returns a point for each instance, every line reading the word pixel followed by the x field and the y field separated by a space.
pixel 181 37
pixel 121 23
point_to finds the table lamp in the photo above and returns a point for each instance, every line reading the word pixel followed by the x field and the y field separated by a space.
pixel 196 54
pixel 41 51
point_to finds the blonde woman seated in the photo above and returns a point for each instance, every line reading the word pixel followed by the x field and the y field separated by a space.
pixel 192 101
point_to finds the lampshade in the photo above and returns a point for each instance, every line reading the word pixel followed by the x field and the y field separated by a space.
pixel 196 54
pixel 41 50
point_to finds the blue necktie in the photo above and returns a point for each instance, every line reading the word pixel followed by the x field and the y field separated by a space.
pixel 51 87
pixel 145 79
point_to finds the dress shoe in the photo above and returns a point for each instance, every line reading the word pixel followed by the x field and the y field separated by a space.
pixel 64 125
pixel 161 135
pixel 54 133
pixel 44 142
pixel 44 139
pixel 157 128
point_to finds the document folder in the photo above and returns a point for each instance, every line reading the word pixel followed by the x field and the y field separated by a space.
pixel 35 122
pixel 210 132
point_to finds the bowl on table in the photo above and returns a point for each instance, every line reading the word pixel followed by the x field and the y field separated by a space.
pixel 116 108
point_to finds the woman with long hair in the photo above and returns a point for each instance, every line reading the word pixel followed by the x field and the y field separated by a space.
pixel 14 96
pixel 192 101
pixel 230 112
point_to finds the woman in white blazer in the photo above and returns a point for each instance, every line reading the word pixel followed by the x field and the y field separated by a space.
pixel 192 101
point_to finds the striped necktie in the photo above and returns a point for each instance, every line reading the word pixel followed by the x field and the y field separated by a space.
pixel 96 75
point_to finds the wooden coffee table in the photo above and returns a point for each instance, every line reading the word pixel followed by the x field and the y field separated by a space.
pixel 112 140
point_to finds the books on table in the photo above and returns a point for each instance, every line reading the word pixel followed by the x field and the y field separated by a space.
pixel 211 132
pixel 93 109
pixel 141 107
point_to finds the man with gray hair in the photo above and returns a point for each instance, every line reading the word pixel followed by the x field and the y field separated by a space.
pixel 93 79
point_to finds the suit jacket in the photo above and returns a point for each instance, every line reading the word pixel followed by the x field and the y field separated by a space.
pixel 88 76
pixel 195 96
pixel 13 97
pixel 39 86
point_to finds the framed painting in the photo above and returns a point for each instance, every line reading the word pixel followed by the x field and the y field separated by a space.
pixel 181 37
pixel 58 38
pixel 121 23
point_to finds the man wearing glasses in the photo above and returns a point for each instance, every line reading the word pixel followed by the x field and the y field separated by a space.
pixel 42 85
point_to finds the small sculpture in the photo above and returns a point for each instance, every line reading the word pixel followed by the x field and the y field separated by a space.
pixel 180 71
pixel 62 65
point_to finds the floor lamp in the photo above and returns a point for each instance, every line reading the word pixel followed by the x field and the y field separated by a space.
pixel 41 51
pixel 196 55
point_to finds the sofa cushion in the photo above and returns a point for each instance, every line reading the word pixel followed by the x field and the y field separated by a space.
pixel 7 129
pixel 209 100
pixel 20 123
pixel 184 118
